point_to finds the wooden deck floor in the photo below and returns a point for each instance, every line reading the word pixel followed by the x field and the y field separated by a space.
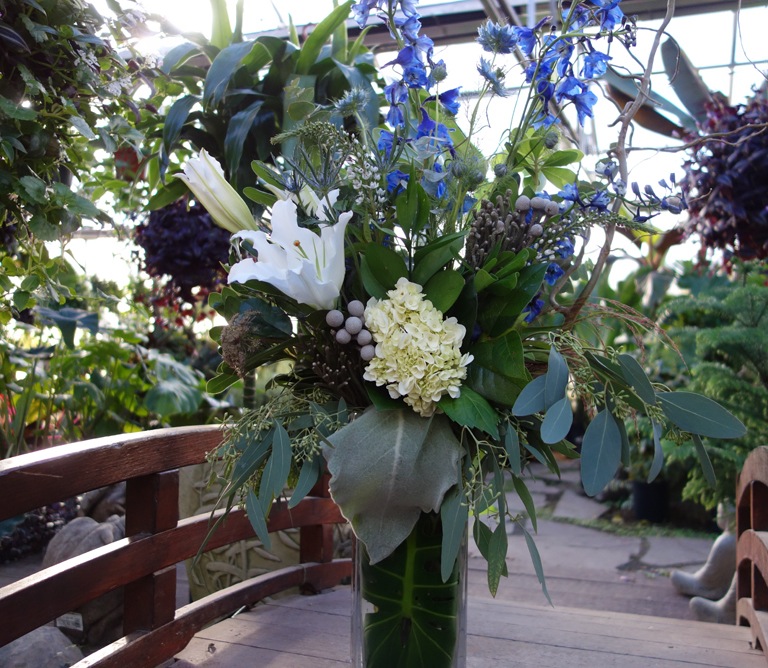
pixel 313 632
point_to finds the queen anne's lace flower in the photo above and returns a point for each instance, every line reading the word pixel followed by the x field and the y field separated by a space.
pixel 418 353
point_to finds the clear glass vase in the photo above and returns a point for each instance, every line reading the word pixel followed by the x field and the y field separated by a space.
pixel 403 614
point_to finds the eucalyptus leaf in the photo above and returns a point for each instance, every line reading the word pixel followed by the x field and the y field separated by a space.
pixel 557 421
pixel 658 452
pixel 526 498
pixel 531 399
pixel 257 518
pixel 556 379
pixel 600 452
pixel 700 415
pixel 512 448
pixel 706 463
pixel 497 557
pixel 386 468
pixel 308 477
pixel 536 560
pixel 278 466
pixel 454 515
pixel 633 373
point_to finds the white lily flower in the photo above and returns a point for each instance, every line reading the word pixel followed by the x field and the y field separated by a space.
pixel 307 199
pixel 205 178
pixel 300 263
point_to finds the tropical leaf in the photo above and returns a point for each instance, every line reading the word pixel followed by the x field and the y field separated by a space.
pixel 319 36
pixel 386 468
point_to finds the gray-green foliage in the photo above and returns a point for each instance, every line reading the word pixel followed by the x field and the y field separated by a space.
pixel 722 333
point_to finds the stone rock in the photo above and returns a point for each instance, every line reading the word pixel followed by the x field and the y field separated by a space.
pixel 101 504
pixel 103 617
pixel 46 647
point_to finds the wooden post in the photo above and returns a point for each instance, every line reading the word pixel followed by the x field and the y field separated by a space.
pixel 316 543
pixel 152 506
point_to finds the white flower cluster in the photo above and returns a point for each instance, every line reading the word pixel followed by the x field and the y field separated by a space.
pixel 417 351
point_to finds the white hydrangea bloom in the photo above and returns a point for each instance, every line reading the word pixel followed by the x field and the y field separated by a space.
pixel 418 353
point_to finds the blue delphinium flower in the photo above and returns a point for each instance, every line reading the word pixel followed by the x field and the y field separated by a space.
pixel 386 142
pixel 533 309
pixel 496 38
pixel 570 88
pixel 430 128
pixel 554 271
pixel 600 201
pixel 450 100
pixel 396 94
pixel 609 13
pixel 396 181
pixel 570 193
pixel 565 248
pixel 493 77
pixel 594 65
pixel 362 10
pixel 526 39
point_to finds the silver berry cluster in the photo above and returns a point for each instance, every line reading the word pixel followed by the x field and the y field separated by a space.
pixel 352 328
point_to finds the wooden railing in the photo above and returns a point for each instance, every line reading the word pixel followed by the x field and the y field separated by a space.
pixel 752 546
pixel 144 562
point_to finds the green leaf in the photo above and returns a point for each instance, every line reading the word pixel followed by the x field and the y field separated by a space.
pixel 557 422
pixel 471 410
pixel 633 373
pixel 278 466
pixel 257 518
pixel 16 111
pixel 700 415
pixel 320 35
pixel 493 386
pixel 600 452
pixel 556 378
pixel 221 71
pixel 221 382
pixel 178 55
pixel 406 624
pixel 531 399
pixel 559 176
pixel 658 453
pixel 68 319
pixel 167 195
pixel 173 123
pixel 454 514
pixel 428 264
pixel 35 188
pixel 405 466
pixel 526 498
pixel 172 397
pixel 706 463
pixel 512 448
pixel 237 131
pixel 497 557
pixel 81 125
pixel 503 355
pixel 385 265
pixel 536 560
pixel 444 288
pixel 563 158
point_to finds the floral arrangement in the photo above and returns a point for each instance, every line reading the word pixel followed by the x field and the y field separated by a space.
pixel 437 320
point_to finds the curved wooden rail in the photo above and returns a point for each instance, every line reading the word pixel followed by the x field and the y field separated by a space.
pixel 752 546
pixel 144 561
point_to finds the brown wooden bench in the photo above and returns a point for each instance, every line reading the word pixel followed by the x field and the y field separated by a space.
pixel 752 546
pixel 144 562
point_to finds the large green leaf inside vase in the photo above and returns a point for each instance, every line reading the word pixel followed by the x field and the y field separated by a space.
pixel 415 619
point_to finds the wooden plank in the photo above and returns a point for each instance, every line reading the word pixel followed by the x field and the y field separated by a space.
pixel 66 586
pixel 33 480
pixel 500 634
